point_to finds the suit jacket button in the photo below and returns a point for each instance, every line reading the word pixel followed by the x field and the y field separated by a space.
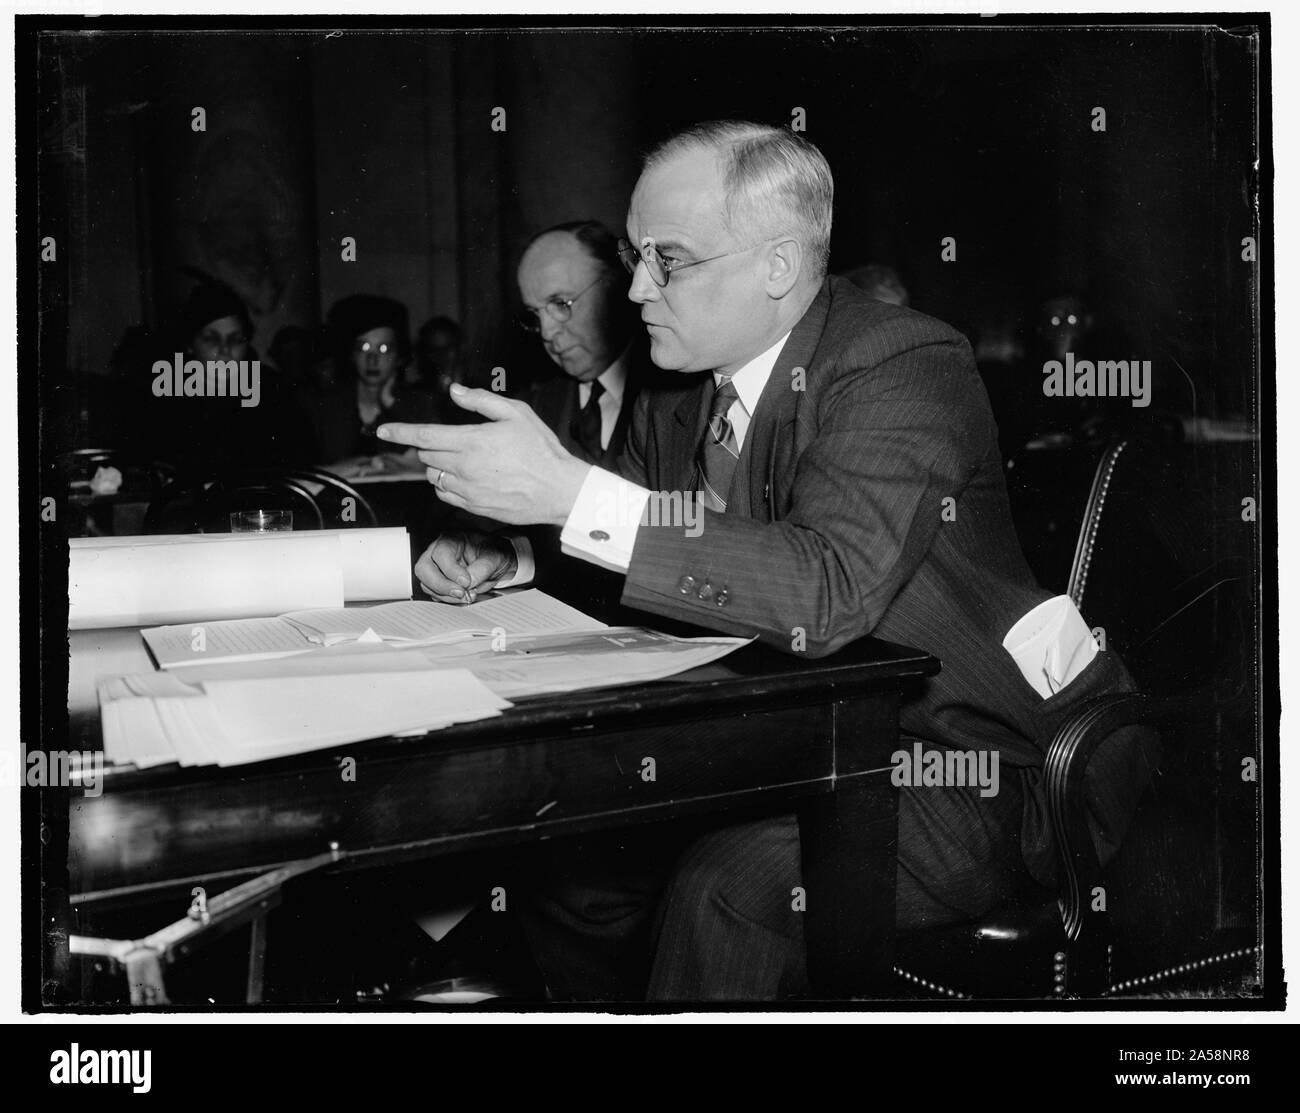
pixel 721 598
pixel 686 585
pixel 706 591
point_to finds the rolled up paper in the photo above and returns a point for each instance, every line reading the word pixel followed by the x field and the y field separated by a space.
pixel 161 580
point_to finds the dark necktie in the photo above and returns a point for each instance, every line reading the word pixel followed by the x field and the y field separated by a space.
pixel 718 451
pixel 585 428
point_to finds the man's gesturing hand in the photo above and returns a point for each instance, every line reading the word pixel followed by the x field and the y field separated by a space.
pixel 513 468
pixel 460 566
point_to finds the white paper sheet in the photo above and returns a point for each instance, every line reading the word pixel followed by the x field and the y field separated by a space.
pixel 150 584
pixel 135 581
pixel 376 564
pixel 206 643
pixel 275 717
pixel 517 614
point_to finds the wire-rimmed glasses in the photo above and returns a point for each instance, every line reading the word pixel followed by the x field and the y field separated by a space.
pixel 557 308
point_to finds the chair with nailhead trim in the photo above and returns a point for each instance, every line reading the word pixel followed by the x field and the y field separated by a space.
pixel 1167 566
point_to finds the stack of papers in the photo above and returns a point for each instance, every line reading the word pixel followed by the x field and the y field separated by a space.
pixel 500 620
pixel 230 693
pixel 573 662
pixel 157 718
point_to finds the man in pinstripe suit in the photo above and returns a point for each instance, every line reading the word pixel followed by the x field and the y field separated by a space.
pixel 846 459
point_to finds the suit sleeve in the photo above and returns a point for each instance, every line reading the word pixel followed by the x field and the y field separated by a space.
pixel 893 442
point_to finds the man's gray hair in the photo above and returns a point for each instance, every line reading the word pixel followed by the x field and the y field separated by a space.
pixel 774 182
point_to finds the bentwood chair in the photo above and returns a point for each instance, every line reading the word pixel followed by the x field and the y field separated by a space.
pixel 1166 564
pixel 204 503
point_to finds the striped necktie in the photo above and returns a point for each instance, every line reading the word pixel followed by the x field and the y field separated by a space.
pixel 718 451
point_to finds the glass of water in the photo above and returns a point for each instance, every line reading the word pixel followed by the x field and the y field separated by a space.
pixel 261 521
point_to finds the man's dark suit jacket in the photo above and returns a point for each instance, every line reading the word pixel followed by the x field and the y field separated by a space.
pixel 836 529
pixel 556 403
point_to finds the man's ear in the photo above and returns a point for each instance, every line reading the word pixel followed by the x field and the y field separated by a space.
pixel 785 265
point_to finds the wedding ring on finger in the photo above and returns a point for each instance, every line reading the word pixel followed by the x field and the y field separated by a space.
pixel 438 482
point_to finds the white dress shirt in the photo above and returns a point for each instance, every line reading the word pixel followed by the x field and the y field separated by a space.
pixel 614 380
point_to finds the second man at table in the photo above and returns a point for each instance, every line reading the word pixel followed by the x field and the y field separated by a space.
pixel 574 293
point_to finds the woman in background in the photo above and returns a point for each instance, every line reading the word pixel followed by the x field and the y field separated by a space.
pixel 206 434
pixel 372 339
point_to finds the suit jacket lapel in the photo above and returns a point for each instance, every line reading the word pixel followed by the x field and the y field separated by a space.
pixel 619 436
pixel 768 452
pixel 682 436
pixel 568 410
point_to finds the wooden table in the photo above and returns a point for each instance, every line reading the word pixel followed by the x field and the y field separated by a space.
pixel 758 729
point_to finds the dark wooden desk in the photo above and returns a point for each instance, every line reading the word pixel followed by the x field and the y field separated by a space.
pixel 759 729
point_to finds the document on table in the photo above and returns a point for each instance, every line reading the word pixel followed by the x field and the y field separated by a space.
pixel 411 622
pixel 133 585
pixel 244 639
pixel 523 613
pixel 276 717
pixel 235 721
pixel 256 689
pixel 514 668
pixel 574 662
pixel 137 581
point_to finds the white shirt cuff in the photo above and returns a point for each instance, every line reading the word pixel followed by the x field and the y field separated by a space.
pixel 601 527
pixel 526 567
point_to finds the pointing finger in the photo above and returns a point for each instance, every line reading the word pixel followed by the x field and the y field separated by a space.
pixel 491 405
pixel 450 438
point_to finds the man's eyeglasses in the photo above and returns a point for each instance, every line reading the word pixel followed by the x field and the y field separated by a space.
pixel 661 267
pixel 558 309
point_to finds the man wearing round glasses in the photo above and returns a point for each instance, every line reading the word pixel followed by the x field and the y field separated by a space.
pixel 845 459
pixel 574 294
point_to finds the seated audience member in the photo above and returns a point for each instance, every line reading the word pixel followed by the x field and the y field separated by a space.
pixel 290 353
pixel 823 521
pixel 437 362
pixel 1060 327
pixel 129 412
pixel 322 364
pixel 372 345
pixel 574 290
pixel 206 432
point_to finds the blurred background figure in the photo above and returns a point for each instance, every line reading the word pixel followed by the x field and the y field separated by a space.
pixel 574 289
pixel 290 353
pixel 1062 324
pixel 880 282
pixel 1065 324
pixel 437 362
pixel 323 372
pixel 371 342
pixel 205 434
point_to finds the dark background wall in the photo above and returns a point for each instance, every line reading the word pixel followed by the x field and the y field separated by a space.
pixel 982 134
